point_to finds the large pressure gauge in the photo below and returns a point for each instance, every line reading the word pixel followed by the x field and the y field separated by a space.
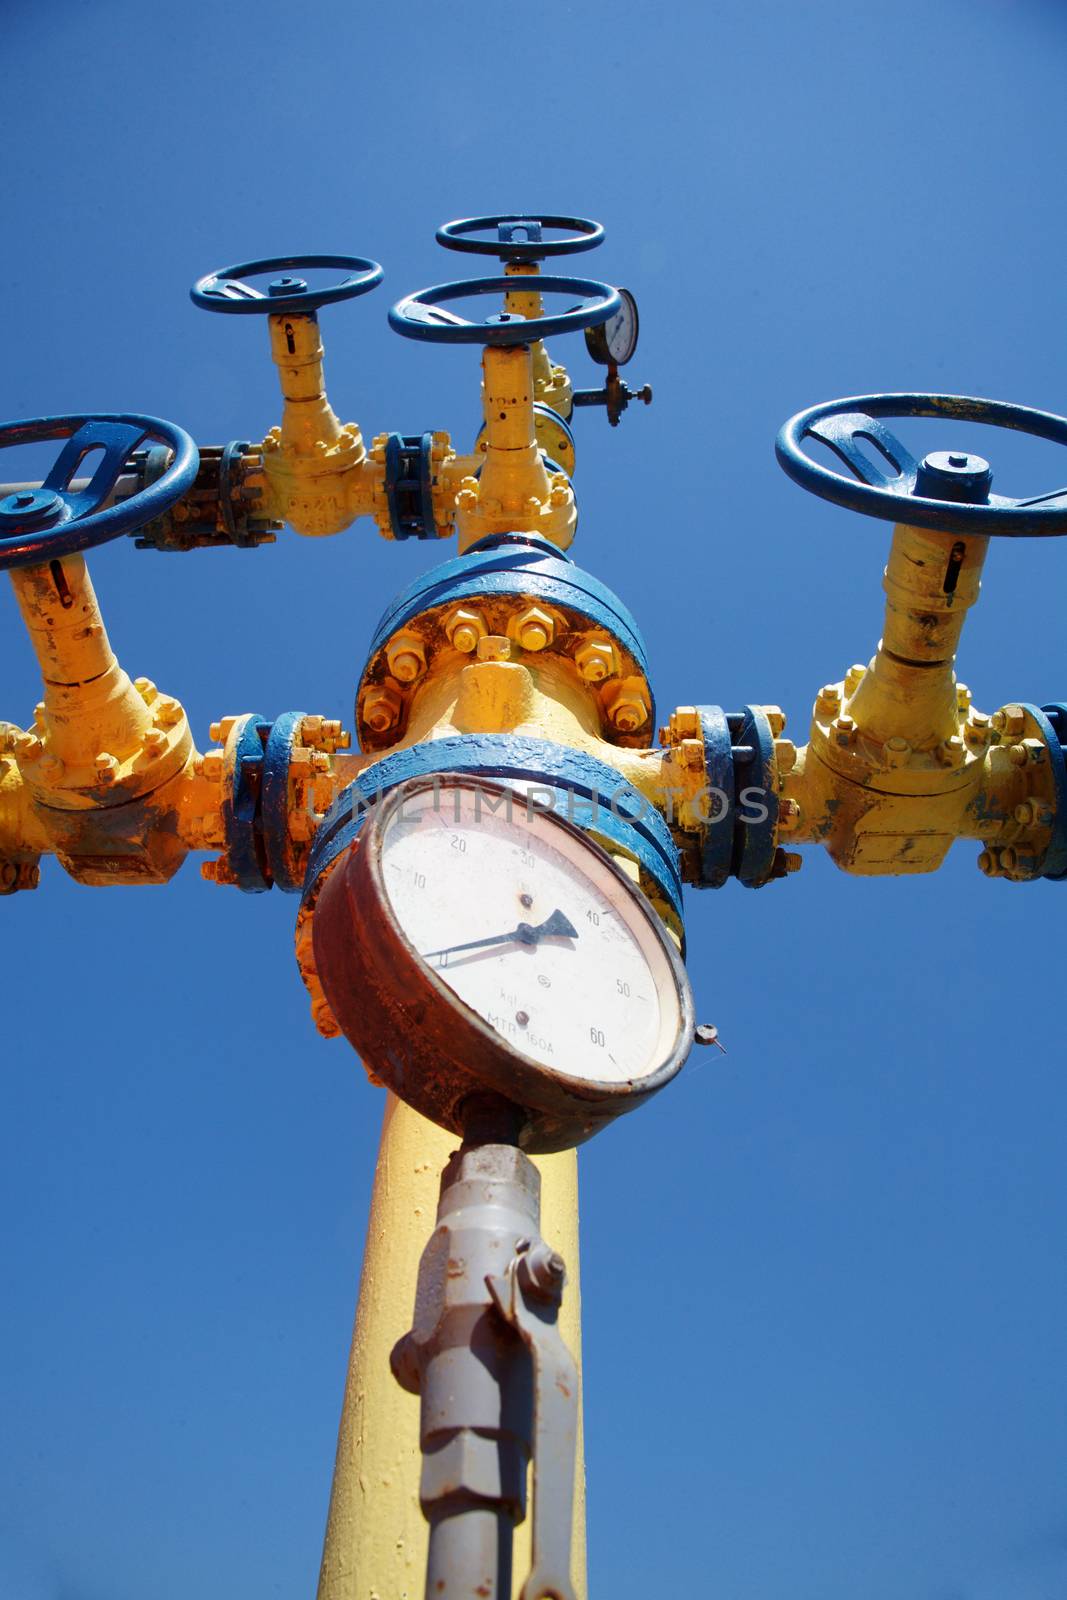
pixel 473 942
pixel 614 342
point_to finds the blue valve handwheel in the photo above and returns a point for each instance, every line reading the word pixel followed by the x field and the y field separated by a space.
pixel 227 291
pixel 56 520
pixel 519 236
pixel 889 482
pixel 421 315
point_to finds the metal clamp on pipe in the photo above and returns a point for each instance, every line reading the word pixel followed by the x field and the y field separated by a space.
pixel 496 1382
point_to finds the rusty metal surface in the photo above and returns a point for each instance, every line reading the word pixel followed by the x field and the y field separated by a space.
pixel 528 1297
pixel 418 1037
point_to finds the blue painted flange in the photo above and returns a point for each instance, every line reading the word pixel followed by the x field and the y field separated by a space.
pixel 1051 721
pixel 717 843
pixel 755 775
pixel 515 564
pixel 584 790
pixel 409 485
pixel 505 566
pixel 240 809
pixel 274 801
pixel 738 839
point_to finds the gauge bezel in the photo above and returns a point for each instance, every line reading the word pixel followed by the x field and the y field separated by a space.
pixel 418 1037
pixel 596 339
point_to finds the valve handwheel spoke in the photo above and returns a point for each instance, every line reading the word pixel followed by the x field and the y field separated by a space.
pixel 228 291
pixel 946 490
pixel 423 315
pixel 57 520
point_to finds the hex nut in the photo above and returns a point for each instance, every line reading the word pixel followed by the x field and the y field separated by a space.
pixel 381 708
pixel 785 755
pixel 406 656
pixel 533 629
pixel 827 703
pixel 627 705
pixel 467 1462
pixel 596 661
pixel 1010 720
pixel 464 628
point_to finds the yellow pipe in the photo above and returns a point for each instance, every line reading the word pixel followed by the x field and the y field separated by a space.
pixel 552 384
pixel 514 493
pixel 90 707
pixel 909 692
pixel 376 1537
pixel 296 350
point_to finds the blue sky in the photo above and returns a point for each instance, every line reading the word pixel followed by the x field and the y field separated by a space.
pixel 822 1276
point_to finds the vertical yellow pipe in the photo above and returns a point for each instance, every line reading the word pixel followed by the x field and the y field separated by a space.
pixel 931 581
pixel 376 1538
pixel 308 420
pixel 90 705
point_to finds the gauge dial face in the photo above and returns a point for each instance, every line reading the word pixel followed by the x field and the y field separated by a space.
pixel 620 332
pixel 534 929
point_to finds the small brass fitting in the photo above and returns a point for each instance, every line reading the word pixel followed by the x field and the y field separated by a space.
pixel 952 751
pixel 406 656
pixel 381 708
pixel 596 661
pixel 854 677
pixel 897 751
pixel 533 629
pixel 146 689
pixel 775 719
pixel 788 815
pixel 963 699
pixel 844 731
pixel 106 767
pixel 464 628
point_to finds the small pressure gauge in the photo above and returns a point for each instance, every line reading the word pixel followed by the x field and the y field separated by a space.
pixel 474 943
pixel 613 343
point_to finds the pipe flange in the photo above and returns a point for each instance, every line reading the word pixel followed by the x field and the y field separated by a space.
pixel 498 578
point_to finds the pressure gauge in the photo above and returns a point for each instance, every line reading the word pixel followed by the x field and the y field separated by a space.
pixel 612 343
pixel 476 943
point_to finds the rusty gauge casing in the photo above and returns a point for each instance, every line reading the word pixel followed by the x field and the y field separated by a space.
pixel 473 943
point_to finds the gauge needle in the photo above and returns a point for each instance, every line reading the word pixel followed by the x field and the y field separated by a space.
pixel 555 926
